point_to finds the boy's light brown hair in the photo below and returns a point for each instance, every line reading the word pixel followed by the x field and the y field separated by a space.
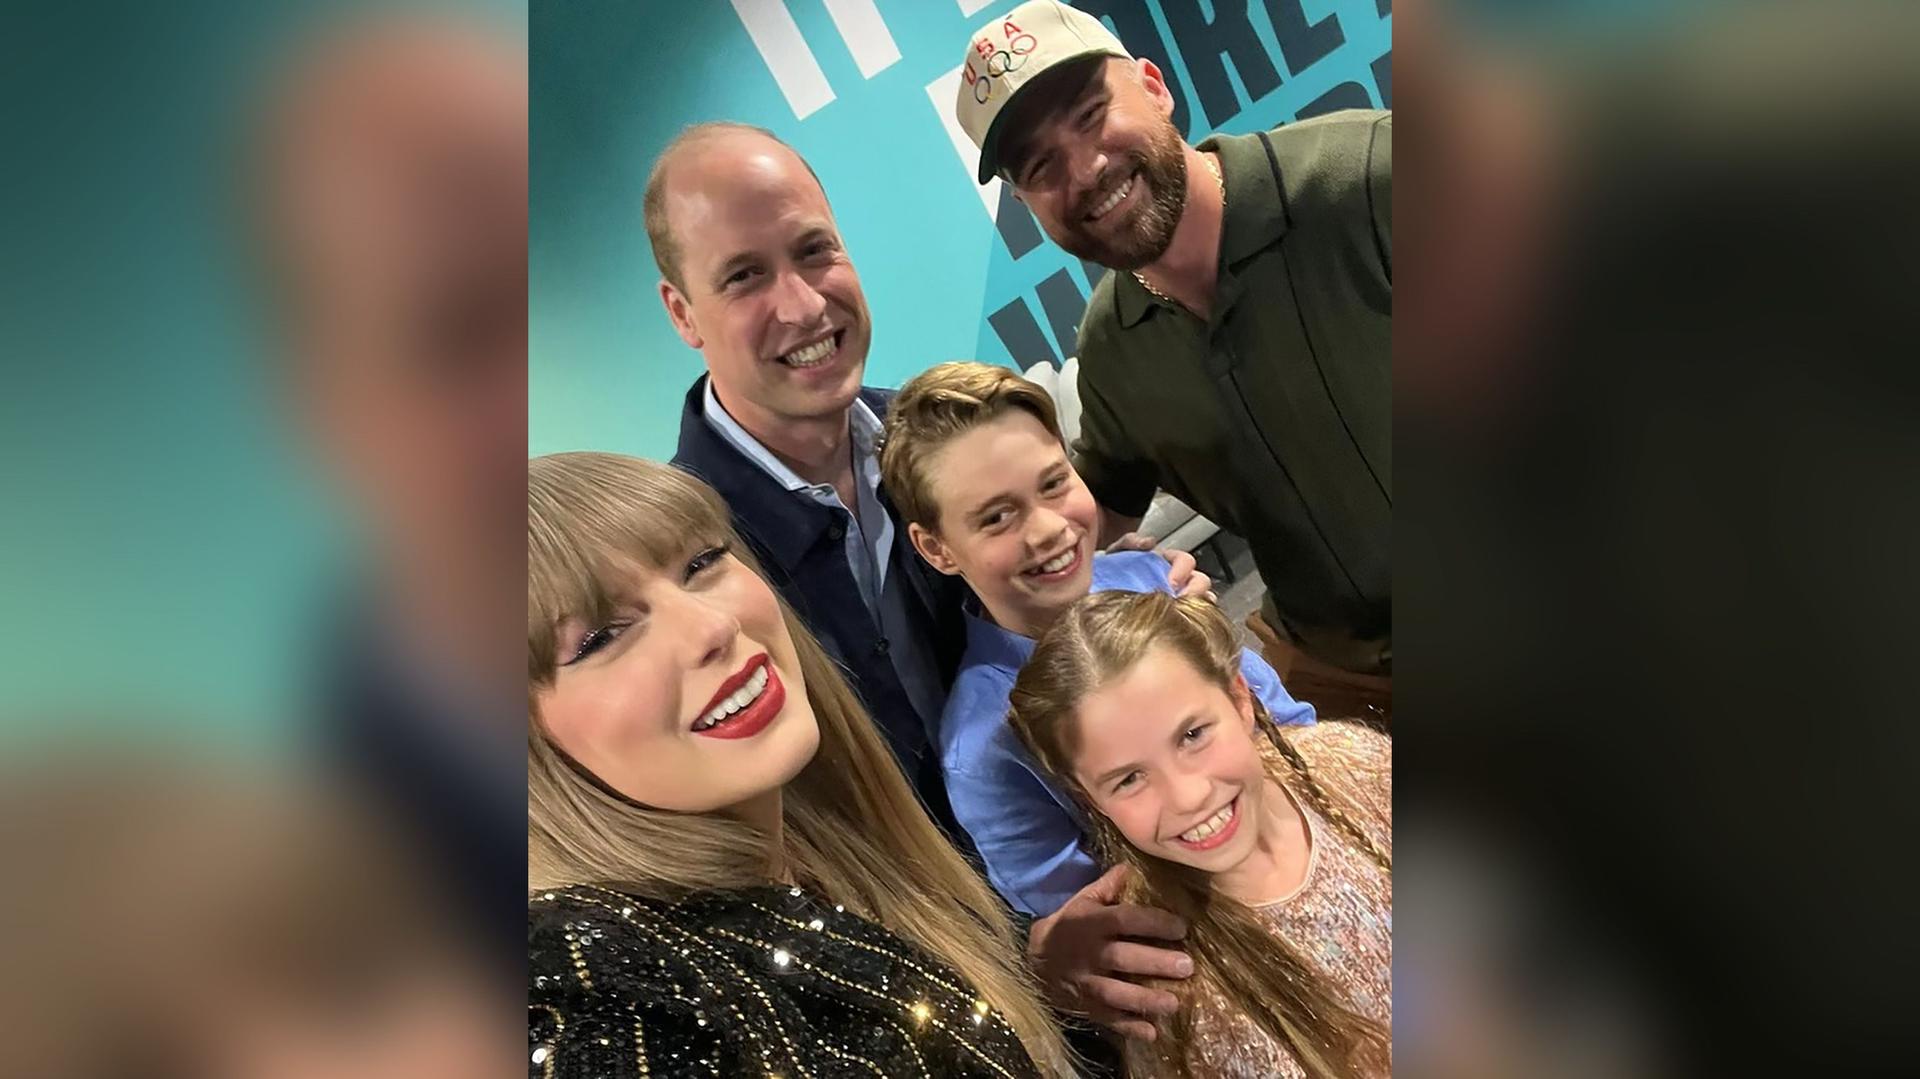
pixel 937 406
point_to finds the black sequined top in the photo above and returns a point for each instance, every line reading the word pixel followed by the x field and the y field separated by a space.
pixel 766 982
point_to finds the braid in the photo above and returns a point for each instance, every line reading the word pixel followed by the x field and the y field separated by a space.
pixel 1318 796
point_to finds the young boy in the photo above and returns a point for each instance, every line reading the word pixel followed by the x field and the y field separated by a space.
pixel 974 461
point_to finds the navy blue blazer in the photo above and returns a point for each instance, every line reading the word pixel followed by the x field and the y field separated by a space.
pixel 801 546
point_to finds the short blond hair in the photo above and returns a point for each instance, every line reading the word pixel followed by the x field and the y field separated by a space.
pixel 939 405
pixel 667 250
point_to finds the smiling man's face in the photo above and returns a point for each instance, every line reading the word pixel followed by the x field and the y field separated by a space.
pixel 1104 173
pixel 768 294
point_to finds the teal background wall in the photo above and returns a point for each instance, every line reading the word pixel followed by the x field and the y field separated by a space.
pixel 165 549
pixel 948 274
pixel 161 539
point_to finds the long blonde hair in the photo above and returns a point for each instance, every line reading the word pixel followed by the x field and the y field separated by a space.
pixel 1266 978
pixel 852 828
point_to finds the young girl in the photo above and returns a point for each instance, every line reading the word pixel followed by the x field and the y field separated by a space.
pixel 730 875
pixel 1275 844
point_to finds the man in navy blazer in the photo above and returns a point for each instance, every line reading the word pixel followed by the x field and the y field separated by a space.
pixel 754 276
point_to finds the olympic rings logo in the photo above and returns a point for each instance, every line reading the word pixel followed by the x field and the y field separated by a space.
pixel 1001 62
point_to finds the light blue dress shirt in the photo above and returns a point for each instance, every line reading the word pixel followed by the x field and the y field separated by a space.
pixel 1027 832
pixel 869 540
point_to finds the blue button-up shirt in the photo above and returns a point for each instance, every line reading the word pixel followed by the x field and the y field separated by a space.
pixel 869 538
pixel 1027 831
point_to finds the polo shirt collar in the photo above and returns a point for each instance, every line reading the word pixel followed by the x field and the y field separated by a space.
pixel 862 425
pixel 1256 208
pixel 990 645
pixel 1133 300
pixel 1256 217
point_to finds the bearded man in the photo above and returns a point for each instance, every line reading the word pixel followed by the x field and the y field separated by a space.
pixel 1239 356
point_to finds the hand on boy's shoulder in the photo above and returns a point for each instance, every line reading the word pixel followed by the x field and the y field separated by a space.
pixel 1143 569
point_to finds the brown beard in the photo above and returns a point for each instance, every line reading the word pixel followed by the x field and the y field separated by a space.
pixel 1163 168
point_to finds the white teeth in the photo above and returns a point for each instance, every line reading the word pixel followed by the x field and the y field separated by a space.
pixel 812 355
pixel 735 701
pixel 1209 826
pixel 1112 200
pixel 1055 565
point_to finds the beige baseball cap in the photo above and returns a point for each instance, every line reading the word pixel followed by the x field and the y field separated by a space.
pixel 1012 51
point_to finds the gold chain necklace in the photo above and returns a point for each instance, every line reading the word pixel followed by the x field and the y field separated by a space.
pixel 1213 167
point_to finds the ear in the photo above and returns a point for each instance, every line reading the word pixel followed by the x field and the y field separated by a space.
pixel 1242 695
pixel 932 550
pixel 680 313
pixel 1155 84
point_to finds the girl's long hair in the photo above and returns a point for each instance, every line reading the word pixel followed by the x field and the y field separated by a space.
pixel 853 829
pixel 1264 977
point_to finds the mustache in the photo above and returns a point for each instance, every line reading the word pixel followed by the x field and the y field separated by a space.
pixel 1104 184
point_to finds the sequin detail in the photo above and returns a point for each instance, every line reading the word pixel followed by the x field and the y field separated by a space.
pixel 764 982
pixel 1342 916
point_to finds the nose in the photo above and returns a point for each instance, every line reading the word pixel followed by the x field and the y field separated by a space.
pixel 1087 165
pixel 1045 528
pixel 796 302
pixel 1187 792
pixel 704 630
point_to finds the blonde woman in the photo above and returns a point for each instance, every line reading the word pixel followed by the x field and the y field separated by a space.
pixel 1275 844
pixel 729 874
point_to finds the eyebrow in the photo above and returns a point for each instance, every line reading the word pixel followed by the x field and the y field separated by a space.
pixel 1020 150
pixel 1057 468
pixel 817 232
pixel 1186 723
pixel 734 262
pixel 747 258
pixel 980 508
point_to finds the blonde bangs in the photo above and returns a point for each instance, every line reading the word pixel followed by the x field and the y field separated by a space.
pixel 592 519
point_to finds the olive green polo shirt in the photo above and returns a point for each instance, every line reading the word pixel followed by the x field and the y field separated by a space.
pixel 1274 417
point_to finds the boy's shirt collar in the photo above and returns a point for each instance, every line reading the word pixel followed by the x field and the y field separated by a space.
pixel 992 645
pixel 989 643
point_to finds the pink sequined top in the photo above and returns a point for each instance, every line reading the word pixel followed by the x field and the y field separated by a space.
pixel 1341 917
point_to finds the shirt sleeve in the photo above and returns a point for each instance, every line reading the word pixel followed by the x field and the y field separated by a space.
pixel 1121 476
pixel 1132 571
pixel 1028 839
pixel 1264 681
pixel 1146 571
pixel 1374 771
pixel 1380 191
